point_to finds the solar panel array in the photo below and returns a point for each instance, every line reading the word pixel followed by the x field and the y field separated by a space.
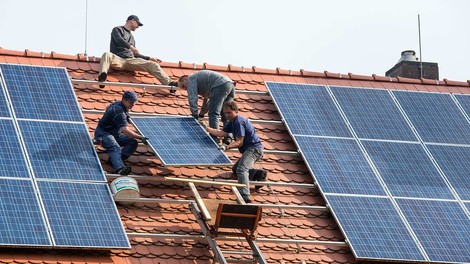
pixel 54 191
pixel 392 165
pixel 180 141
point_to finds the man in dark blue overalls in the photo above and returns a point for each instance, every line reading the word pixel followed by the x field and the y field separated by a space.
pixel 115 136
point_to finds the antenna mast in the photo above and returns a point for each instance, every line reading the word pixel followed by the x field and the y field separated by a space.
pixel 420 54
pixel 86 27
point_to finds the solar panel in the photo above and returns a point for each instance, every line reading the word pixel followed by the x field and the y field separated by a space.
pixel 374 228
pixel 435 116
pixel 373 114
pixel 41 93
pixel 82 215
pixel 4 110
pixel 180 141
pixel 308 109
pixel 21 220
pixel 454 162
pixel 12 159
pixel 339 166
pixel 464 101
pixel 442 228
pixel 407 170
pixel 61 151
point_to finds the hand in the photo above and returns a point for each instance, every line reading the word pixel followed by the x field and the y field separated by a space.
pixel 223 147
pixel 134 50
pixel 157 60
pixel 202 124
pixel 145 140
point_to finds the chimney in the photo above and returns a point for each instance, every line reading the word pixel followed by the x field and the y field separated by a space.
pixel 409 66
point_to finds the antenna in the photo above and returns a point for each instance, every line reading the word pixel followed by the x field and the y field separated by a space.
pixel 420 54
pixel 86 27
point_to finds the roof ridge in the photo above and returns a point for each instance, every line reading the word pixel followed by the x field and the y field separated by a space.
pixel 242 69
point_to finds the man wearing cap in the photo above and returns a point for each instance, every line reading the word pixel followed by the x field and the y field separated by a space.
pixel 125 56
pixel 114 135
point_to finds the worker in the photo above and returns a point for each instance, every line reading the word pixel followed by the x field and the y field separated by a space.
pixel 124 55
pixel 114 134
pixel 215 88
pixel 247 142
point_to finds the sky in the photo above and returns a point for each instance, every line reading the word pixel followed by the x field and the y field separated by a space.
pixel 363 37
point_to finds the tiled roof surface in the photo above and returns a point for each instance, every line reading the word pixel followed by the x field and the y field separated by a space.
pixel 177 218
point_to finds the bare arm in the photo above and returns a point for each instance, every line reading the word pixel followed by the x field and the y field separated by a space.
pixel 215 132
pixel 130 133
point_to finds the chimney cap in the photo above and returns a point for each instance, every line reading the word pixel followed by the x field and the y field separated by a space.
pixel 408 55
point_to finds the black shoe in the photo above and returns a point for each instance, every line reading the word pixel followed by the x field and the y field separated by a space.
pixel 124 171
pixel 173 83
pixel 246 199
pixel 102 78
pixel 260 175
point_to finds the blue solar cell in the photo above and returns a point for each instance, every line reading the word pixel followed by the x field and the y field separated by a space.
pixel 4 110
pixel 308 109
pixel 12 159
pixel 407 170
pixel 82 215
pixel 41 93
pixel 61 151
pixel 374 228
pixel 373 114
pixel 464 101
pixel 442 228
pixel 180 141
pixel 436 117
pixel 454 162
pixel 339 166
pixel 21 220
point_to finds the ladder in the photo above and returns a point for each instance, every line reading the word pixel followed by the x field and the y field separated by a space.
pixel 215 217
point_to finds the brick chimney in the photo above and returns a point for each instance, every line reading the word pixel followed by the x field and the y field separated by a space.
pixel 409 66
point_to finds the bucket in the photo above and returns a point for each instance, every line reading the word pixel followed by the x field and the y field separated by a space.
pixel 125 187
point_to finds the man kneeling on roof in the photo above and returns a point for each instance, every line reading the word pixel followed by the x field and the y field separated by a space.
pixel 114 135
pixel 247 142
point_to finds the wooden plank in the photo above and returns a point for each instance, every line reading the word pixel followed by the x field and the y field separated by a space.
pixel 205 181
pixel 199 202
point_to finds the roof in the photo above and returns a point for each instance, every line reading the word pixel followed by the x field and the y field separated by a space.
pixel 177 219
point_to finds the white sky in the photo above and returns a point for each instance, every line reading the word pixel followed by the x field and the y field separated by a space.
pixel 362 37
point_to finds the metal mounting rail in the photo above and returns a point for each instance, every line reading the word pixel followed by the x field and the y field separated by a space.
pixel 227 238
pixel 159 201
pixel 158 86
pixel 266 183
pixel 152 200
pixel 267 122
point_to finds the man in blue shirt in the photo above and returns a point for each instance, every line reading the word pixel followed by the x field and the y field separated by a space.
pixel 215 88
pixel 125 56
pixel 247 142
pixel 114 135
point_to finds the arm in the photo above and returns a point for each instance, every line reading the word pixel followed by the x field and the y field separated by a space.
pixel 204 107
pixel 117 35
pixel 130 133
pixel 215 132
pixel 238 143
pixel 193 98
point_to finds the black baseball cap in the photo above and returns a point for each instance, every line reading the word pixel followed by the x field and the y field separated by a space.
pixel 136 18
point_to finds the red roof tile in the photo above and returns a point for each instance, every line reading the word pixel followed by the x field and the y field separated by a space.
pixel 177 219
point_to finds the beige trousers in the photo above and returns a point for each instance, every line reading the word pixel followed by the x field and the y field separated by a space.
pixel 133 64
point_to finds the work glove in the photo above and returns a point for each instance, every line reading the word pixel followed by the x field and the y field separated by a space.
pixel 223 147
pixel 145 140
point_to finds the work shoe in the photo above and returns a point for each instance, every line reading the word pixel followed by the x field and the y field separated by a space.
pixel 246 199
pixel 102 78
pixel 124 170
pixel 260 175
pixel 175 84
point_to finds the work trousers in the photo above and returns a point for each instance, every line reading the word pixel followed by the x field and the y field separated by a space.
pixel 242 168
pixel 133 64
pixel 118 146
pixel 219 95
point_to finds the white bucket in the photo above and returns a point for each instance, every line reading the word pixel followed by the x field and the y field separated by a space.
pixel 125 187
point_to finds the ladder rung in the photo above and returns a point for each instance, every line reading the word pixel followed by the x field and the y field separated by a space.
pixel 240 260
pixel 238 252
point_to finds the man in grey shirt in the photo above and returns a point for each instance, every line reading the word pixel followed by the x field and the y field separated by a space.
pixel 215 88
pixel 125 56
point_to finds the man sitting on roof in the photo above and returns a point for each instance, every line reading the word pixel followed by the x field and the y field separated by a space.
pixel 215 88
pixel 247 142
pixel 125 56
pixel 113 133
